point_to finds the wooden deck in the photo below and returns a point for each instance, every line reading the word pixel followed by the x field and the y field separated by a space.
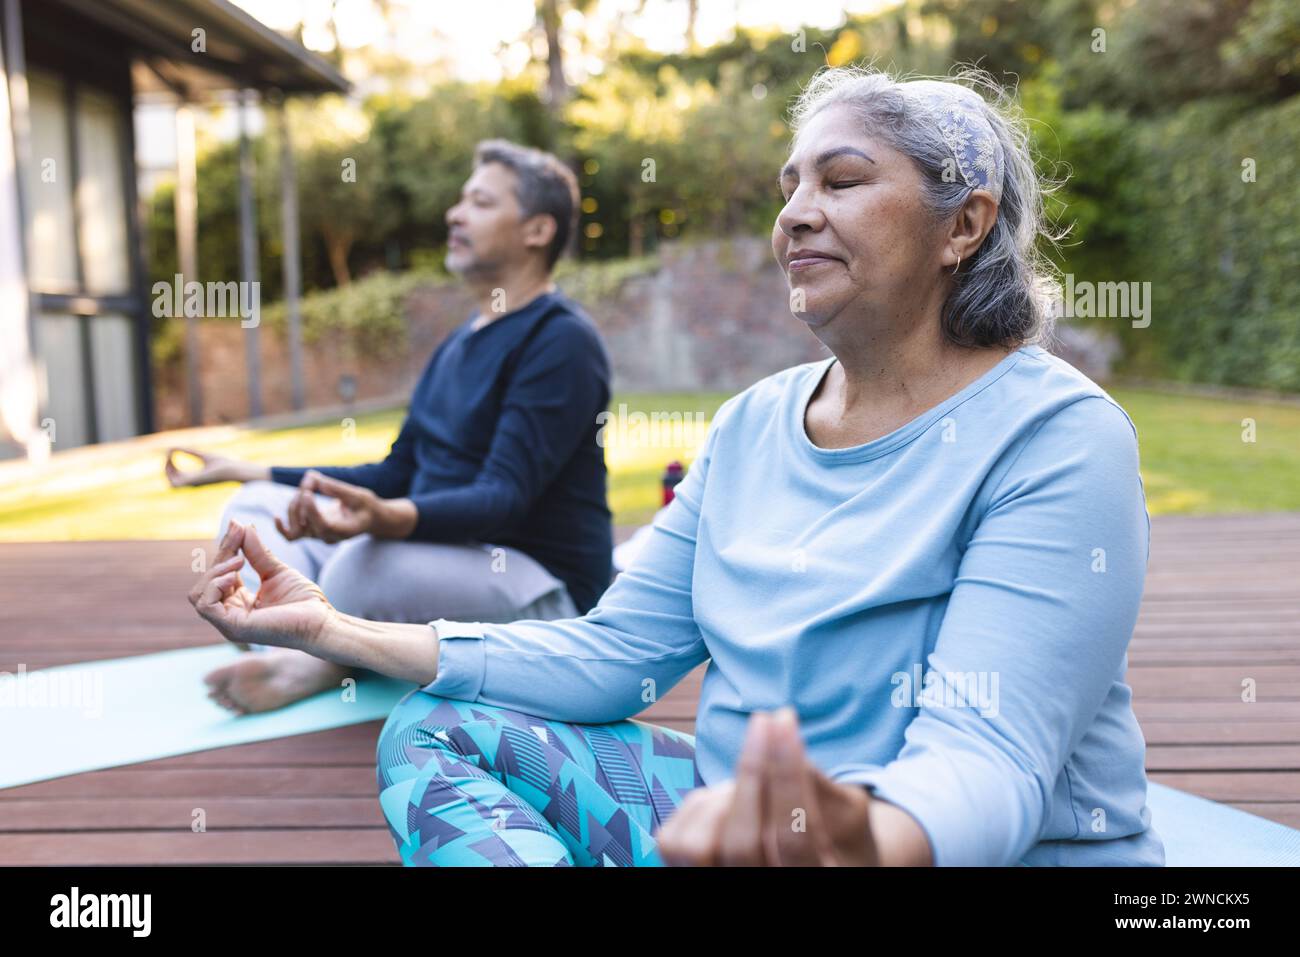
pixel 1222 606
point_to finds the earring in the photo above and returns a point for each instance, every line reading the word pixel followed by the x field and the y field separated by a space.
pixel 958 266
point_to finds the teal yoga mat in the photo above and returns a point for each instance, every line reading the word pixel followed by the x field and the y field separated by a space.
pixel 104 714
pixel 1201 833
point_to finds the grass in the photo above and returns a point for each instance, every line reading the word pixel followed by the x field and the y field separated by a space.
pixel 1193 461
pixel 1194 458
pixel 118 491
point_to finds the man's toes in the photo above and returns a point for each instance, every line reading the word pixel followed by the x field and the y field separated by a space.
pixel 225 701
pixel 220 677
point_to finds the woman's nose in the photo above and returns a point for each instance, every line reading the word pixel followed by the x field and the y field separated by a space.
pixel 800 212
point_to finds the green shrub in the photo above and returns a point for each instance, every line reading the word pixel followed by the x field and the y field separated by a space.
pixel 370 313
pixel 1222 254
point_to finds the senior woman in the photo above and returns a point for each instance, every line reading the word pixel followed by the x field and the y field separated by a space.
pixel 914 568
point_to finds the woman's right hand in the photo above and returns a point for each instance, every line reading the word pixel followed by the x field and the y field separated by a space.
pixel 213 468
pixel 288 610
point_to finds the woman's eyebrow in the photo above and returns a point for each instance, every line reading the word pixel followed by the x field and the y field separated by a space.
pixel 826 157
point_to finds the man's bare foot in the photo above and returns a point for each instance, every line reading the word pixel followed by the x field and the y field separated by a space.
pixel 266 680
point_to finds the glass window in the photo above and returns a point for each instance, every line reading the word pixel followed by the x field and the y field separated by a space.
pixel 48 183
pixel 113 360
pixel 101 203
pixel 79 242
pixel 63 381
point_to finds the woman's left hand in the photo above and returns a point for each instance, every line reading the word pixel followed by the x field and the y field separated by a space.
pixel 779 811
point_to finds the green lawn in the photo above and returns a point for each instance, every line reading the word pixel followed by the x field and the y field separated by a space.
pixel 118 491
pixel 1193 461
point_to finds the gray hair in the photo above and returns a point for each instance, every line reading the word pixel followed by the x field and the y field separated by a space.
pixel 1004 291
pixel 545 186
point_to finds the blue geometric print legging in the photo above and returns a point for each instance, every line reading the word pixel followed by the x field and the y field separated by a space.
pixel 469 784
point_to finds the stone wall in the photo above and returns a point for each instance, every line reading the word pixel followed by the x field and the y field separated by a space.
pixel 713 316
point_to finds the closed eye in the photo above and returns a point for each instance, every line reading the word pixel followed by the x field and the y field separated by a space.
pixel 842 184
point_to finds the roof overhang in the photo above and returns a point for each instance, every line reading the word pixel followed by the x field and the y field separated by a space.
pixel 240 51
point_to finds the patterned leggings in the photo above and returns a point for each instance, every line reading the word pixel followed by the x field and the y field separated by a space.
pixel 469 784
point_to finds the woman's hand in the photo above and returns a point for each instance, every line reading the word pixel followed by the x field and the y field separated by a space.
pixel 289 610
pixel 355 511
pixel 779 810
pixel 212 468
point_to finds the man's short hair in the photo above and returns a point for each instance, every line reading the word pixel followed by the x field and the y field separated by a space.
pixel 545 186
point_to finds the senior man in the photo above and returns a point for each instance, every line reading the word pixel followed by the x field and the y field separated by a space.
pixel 491 505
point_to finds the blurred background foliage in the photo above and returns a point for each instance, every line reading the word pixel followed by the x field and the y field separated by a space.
pixel 1175 124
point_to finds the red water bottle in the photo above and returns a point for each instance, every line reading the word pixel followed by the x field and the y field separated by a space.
pixel 672 476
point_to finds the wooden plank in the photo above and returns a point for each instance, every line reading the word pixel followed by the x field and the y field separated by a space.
pixel 255 846
pixel 1220 732
pixel 1251 659
pixel 1216 683
pixel 1230 787
pixel 200 784
pixel 1232 757
pixel 1218 631
pixel 176 814
pixel 1200 710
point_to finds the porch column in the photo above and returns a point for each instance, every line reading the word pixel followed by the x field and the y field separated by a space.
pixel 248 249
pixel 187 248
pixel 292 261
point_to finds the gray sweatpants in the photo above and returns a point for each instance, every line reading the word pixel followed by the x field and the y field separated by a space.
pixel 385 580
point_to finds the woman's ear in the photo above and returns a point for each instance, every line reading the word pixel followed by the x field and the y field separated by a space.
pixel 973 222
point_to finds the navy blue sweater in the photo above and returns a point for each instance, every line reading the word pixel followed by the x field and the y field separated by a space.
pixel 500 445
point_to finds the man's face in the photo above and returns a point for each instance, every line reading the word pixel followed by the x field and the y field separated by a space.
pixel 486 233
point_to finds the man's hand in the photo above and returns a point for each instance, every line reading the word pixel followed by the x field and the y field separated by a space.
pixel 212 468
pixel 356 511
pixel 780 810
pixel 288 610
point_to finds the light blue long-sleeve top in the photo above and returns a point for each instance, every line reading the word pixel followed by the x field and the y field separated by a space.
pixel 947 607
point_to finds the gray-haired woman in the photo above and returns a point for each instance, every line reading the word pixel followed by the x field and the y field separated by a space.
pixel 914 567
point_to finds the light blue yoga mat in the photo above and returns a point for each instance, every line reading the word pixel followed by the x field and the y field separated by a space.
pixel 1201 833
pixel 104 714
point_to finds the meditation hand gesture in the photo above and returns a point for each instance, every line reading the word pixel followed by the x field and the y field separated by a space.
pixel 355 511
pixel 212 468
pixel 780 810
pixel 288 610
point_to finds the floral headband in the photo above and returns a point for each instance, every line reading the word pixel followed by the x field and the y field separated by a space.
pixel 959 112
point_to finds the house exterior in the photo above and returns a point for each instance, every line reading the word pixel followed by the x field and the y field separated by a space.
pixel 74 297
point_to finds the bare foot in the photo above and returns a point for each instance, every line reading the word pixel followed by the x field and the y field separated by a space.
pixel 266 680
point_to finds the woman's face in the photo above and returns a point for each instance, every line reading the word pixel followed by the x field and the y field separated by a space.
pixel 854 230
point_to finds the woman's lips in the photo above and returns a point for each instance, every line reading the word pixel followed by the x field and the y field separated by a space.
pixel 807 262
